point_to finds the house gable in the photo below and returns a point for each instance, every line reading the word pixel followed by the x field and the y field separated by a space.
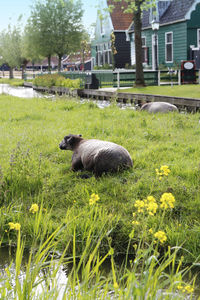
pixel 120 20
pixel 117 22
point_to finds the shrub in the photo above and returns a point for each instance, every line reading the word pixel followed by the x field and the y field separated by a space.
pixel 49 80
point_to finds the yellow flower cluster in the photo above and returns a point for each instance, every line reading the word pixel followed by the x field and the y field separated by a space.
pixel 161 236
pixel 139 204
pixel 93 199
pixel 149 204
pixel 188 289
pixel 164 171
pixel 34 208
pixel 135 223
pixel 15 226
pixel 167 201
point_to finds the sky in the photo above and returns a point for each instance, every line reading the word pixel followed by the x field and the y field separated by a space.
pixel 10 10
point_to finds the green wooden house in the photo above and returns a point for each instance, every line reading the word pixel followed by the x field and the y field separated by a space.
pixel 111 45
pixel 178 36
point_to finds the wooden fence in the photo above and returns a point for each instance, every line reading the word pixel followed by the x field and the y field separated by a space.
pixel 118 78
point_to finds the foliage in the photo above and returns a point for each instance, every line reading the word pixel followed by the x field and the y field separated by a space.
pixel 11 47
pixel 104 67
pixel 54 27
pixel 148 276
pixel 50 80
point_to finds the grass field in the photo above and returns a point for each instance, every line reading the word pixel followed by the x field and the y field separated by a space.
pixel 189 91
pixel 35 171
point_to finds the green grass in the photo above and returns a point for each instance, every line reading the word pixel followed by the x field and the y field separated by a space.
pixel 13 82
pixel 186 91
pixel 35 170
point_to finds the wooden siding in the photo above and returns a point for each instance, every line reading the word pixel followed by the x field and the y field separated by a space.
pixel 192 25
pixel 179 43
pixel 123 50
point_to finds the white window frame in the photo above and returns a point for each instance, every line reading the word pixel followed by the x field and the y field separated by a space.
pixel 100 54
pixel 198 38
pixel 145 39
pixel 169 43
pixel 145 47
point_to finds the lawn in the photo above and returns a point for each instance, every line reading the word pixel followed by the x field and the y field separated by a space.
pixel 35 171
pixel 188 91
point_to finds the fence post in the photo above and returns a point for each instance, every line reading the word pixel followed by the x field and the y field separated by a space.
pixel 199 76
pixel 118 80
pixel 179 77
pixel 158 77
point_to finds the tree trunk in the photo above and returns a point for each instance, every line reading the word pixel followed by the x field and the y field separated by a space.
pixel 24 67
pixel 59 62
pixel 139 80
pixel 11 73
pixel 83 60
pixel 49 63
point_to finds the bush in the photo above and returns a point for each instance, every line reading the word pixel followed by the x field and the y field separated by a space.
pixel 49 80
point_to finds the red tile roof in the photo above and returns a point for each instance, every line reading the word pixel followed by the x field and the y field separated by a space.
pixel 120 20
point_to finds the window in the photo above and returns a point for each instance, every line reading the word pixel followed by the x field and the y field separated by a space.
pixel 198 38
pixel 169 47
pixel 99 56
pixel 103 54
pixel 143 41
pixel 144 51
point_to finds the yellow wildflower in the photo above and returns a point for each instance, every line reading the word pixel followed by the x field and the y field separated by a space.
pixel 34 208
pixel 163 171
pixel 135 223
pixel 93 199
pixel 189 289
pixel 151 199
pixel 139 204
pixel 152 208
pixel 161 236
pixel 17 226
pixel 167 200
pixel 11 225
pixel 151 230
pixel 151 205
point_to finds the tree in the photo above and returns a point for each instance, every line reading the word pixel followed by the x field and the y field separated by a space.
pixel 10 48
pixel 55 27
pixel 29 48
pixel 136 7
pixel 39 30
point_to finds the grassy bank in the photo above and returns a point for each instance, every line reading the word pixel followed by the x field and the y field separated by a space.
pixel 49 205
pixel 34 170
pixel 189 91
pixel 13 82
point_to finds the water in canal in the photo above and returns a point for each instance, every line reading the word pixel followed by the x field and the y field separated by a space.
pixel 26 92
